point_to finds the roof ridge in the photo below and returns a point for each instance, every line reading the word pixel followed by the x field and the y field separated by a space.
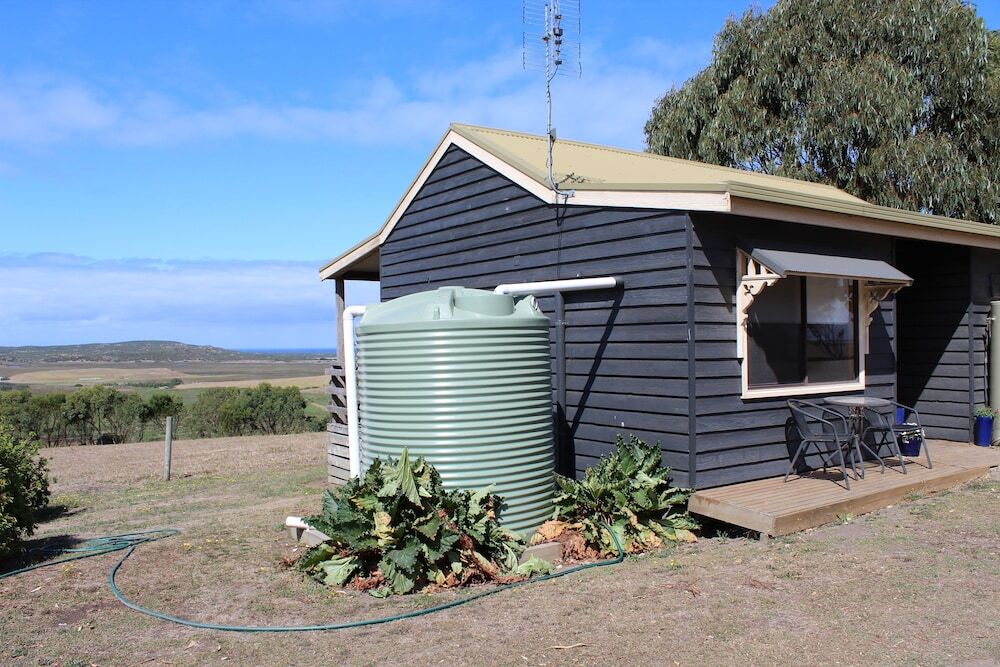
pixel 646 154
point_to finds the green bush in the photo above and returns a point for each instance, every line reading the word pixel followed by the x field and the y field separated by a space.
pixel 397 530
pixel 266 409
pixel 629 491
pixel 24 488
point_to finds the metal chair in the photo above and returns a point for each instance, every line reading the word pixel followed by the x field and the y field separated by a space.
pixel 888 431
pixel 822 426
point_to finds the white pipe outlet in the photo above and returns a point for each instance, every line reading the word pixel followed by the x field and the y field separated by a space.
pixel 545 286
pixel 351 380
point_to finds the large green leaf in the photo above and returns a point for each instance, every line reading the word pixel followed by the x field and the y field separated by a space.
pixel 402 480
pixel 532 566
pixel 404 558
pixel 337 571
pixel 398 581
pixel 315 556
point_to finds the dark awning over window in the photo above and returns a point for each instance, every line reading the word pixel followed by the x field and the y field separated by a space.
pixel 786 262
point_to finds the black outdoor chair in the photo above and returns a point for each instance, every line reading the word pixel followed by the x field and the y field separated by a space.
pixel 885 432
pixel 828 432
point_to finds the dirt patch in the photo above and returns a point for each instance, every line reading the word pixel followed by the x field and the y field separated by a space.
pixel 914 584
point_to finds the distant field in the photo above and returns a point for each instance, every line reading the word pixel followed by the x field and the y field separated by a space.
pixel 312 382
pixel 88 375
pixel 193 375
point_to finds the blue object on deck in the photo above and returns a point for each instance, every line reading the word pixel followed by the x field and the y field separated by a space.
pixel 984 431
pixel 900 415
pixel 910 446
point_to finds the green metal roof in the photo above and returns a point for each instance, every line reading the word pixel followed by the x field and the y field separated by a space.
pixel 606 176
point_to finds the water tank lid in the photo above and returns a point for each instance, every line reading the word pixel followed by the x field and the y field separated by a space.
pixel 453 307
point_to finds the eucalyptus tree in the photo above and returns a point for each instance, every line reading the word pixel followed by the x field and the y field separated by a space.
pixel 894 101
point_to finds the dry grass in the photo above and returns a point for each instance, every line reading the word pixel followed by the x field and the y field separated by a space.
pixel 64 375
pixel 195 374
pixel 913 584
pixel 314 382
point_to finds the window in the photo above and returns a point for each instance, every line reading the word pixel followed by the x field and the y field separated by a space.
pixel 802 332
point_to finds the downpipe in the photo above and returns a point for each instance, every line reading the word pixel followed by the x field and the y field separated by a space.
pixel 351 382
pixel 992 362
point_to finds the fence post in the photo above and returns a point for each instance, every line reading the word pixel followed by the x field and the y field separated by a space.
pixel 167 445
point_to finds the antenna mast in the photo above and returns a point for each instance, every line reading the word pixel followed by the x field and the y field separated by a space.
pixel 557 55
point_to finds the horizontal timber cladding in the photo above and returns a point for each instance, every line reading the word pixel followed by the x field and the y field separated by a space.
pixel 985 278
pixel 626 358
pixel 737 439
pixel 935 348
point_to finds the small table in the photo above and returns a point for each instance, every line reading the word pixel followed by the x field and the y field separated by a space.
pixel 858 403
pixel 857 406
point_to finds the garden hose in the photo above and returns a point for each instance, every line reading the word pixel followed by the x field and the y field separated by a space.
pixel 97 546
pixel 129 541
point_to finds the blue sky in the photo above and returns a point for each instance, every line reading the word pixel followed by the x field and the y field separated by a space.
pixel 180 170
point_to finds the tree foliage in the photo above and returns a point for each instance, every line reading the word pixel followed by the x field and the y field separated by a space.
pixel 24 487
pixel 229 411
pixel 894 101
pixel 103 415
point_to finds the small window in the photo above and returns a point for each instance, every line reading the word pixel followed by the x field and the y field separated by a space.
pixel 803 331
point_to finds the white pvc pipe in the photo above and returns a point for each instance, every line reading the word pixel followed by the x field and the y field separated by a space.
pixel 351 380
pixel 571 285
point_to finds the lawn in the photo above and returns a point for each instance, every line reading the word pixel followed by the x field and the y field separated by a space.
pixel 913 584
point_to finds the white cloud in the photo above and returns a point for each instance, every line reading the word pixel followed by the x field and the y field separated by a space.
pixel 53 298
pixel 609 104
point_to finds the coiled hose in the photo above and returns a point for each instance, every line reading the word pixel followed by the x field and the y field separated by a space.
pixel 128 542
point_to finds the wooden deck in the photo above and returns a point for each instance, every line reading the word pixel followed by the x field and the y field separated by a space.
pixel 774 507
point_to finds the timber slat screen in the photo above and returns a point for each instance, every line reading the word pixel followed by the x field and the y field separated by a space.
pixel 774 507
pixel 338 461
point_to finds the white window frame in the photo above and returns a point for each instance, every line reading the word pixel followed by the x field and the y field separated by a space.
pixel 752 278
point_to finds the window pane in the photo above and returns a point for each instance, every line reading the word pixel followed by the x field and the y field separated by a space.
pixel 831 348
pixel 774 335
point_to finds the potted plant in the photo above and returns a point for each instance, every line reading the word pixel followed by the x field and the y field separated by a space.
pixel 984 425
pixel 909 441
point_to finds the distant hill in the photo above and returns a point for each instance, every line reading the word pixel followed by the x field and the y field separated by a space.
pixel 136 350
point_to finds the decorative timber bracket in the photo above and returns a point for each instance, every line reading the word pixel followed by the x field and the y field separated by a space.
pixel 751 279
pixel 872 294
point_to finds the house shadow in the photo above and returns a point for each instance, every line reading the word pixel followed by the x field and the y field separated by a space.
pixel 566 428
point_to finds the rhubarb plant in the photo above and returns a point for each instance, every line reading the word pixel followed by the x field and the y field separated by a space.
pixel 396 529
pixel 629 493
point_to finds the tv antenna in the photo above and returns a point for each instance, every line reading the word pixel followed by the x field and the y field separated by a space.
pixel 551 43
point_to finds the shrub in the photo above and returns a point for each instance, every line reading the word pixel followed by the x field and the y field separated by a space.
pixel 214 413
pixel 397 530
pixel 274 410
pixel 228 411
pixel 629 491
pixel 24 488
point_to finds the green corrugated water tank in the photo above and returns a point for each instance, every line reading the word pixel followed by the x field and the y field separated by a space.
pixel 462 378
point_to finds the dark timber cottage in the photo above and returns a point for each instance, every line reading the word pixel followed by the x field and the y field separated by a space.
pixel 740 290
